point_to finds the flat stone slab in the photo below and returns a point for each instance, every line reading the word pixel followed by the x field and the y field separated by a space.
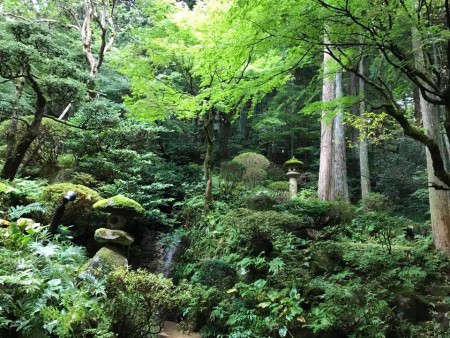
pixel 104 235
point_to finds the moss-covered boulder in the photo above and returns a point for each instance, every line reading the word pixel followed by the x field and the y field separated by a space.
pixel 105 261
pixel 77 212
pixel 120 205
pixel 120 237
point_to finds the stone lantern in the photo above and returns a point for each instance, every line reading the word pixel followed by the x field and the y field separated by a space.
pixel 114 236
pixel 293 168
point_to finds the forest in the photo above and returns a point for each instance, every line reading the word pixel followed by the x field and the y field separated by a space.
pixel 239 168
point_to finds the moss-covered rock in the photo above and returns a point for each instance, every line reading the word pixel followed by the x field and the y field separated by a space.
pixel 105 261
pixel 120 205
pixel 78 211
pixel 120 237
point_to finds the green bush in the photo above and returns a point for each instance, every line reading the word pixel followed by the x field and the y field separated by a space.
pixel 39 296
pixel 139 302
pixel 84 179
pixel 383 226
pixel 279 186
pixel 375 202
pixel 267 222
pixel 255 165
pixel 322 213
pixel 21 191
pixel 216 273
pixel 230 177
pixel 260 201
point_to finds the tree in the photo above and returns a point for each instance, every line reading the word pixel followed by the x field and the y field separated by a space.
pixel 332 183
pixel 95 23
pixel 363 142
pixel 33 55
pixel 386 31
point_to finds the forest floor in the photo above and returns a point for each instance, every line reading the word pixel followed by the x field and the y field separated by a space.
pixel 172 330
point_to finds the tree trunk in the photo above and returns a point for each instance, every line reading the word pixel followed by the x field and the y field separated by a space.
pixel 339 177
pixel 439 199
pixel 224 137
pixel 207 164
pixel 12 163
pixel 326 134
pixel 11 132
pixel 363 143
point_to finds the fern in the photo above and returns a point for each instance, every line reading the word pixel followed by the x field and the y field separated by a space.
pixel 18 211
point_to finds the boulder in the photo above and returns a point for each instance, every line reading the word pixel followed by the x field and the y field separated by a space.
pixel 103 235
pixel 105 260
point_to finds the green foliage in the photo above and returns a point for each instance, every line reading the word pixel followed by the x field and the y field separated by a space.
pixel 85 179
pixel 381 225
pixel 263 223
pixel 255 165
pixel 321 213
pixel 40 296
pixel 230 177
pixel 15 212
pixel 375 202
pixel 139 302
pixel 215 273
pixel 20 192
pixel 260 201
pixel 279 186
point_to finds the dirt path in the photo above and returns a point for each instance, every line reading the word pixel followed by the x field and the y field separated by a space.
pixel 171 330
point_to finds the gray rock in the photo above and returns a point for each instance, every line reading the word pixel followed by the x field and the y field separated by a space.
pixel 105 260
pixel 120 237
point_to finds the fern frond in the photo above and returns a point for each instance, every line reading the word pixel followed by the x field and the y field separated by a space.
pixel 18 211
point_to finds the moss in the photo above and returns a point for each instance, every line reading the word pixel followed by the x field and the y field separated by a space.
pixel 294 161
pixel 120 205
pixel 105 261
pixel 76 211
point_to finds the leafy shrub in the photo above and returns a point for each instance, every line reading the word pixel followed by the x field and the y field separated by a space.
pixel 21 191
pixel 39 296
pixel 230 177
pixel 279 186
pixel 322 213
pixel 84 179
pixel 255 310
pixel 260 201
pixel 280 191
pixel 375 202
pixel 261 226
pixel 139 302
pixel 215 272
pixel 255 167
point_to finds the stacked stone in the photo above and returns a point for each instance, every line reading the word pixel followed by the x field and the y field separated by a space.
pixel 110 257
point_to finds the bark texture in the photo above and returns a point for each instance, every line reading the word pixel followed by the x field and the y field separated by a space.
pixel 339 190
pixel 363 143
pixel 326 134
pixel 439 199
